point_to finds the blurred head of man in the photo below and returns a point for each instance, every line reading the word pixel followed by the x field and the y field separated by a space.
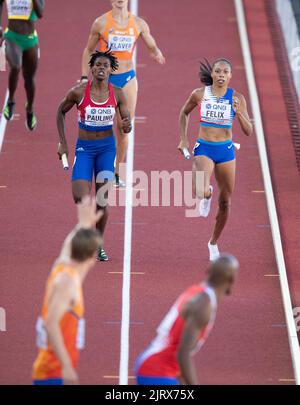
pixel 119 3
pixel 85 245
pixel 223 272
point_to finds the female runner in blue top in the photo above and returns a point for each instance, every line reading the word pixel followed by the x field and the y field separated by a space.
pixel 214 150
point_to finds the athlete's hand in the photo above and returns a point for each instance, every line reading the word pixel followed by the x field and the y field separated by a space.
pixel 183 144
pixel 69 376
pixel 236 104
pixel 62 148
pixel 83 79
pixel 159 57
pixel 87 212
pixel 126 125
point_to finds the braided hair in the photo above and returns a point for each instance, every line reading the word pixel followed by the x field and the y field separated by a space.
pixel 206 69
pixel 107 54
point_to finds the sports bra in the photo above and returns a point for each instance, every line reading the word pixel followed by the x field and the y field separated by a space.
pixel 215 111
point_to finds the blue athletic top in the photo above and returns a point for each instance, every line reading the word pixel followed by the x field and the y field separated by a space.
pixel 215 111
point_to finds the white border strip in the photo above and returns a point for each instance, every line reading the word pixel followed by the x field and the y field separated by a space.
pixel 288 24
pixel 291 327
pixel 124 349
pixel 3 122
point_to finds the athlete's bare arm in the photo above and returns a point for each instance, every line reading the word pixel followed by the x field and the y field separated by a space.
pixel 191 103
pixel 196 316
pixel 39 6
pixel 88 216
pixel 61 299
pixel 94 37
pixel 149 41
pixel 240 107
pixel 124 112
pixel 73 97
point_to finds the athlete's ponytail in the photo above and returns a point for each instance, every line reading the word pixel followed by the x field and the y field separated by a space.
pixel 206 70
pixel 205 73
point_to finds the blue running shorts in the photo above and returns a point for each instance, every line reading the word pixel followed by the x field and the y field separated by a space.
pixel 218 152
pixel 121 79
pixel 94 157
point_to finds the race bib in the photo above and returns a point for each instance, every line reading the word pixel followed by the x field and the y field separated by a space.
pixel 19 9
pixel 99 116
pixel 217 113
pixel 121 43
pixel 41 334
pixel 80 339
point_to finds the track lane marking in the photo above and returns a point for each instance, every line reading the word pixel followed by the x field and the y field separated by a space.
pixel 118 322
pixel 135 189
pixel 121 272
pixel 125 324
pixel 130 377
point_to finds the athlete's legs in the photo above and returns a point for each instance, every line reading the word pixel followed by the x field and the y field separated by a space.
pixel 80 188
pixel 14 58
pixel 130 91
pixel 30 63
pixel 101 224
pixel 206 165
pixel 104 175
pixel 225 176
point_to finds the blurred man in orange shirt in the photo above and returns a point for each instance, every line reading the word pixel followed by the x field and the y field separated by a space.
pixel 60 328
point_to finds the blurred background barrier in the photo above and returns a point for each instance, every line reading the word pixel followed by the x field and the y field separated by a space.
pixel 289 17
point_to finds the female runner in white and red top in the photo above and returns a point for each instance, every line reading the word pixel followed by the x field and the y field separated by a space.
pixel 96 101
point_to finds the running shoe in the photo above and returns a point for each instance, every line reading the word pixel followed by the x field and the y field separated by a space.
pixel 102 256
pixel 214 253
pixel 204 205
pixel 8 111
pixel 118 183
pixel 31 121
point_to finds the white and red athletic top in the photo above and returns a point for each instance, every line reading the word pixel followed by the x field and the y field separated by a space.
pixel 93 116
pixel 160 358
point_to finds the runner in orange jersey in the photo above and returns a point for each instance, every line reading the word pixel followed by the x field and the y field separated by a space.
pixel 118 31
pixel 60 328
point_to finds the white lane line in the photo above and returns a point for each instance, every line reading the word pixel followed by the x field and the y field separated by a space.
pixel 3 122
pixel 291 327
pixel 124 347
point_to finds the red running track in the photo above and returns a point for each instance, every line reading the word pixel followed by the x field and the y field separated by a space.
pixel 285 174
pixel 249 344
